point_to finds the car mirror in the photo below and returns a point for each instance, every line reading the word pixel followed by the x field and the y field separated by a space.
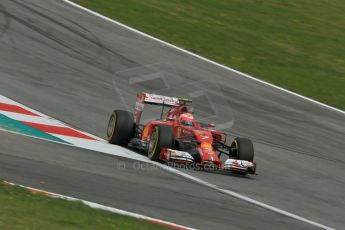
pixel 211 125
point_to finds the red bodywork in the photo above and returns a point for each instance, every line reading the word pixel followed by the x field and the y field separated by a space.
pixel 204 136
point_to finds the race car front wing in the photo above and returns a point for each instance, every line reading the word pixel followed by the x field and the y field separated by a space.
pixel 239 166
pixel 176 156
pixel 232 165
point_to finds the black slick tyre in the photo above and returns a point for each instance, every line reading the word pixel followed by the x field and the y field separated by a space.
pixel 120 127
pixel 244 148
pixel 161 137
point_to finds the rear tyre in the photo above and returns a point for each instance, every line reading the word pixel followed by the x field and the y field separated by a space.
pixel 161 137
pixel 120 127
pixel 244 148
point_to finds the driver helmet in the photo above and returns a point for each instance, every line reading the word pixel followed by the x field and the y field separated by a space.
pixel 186 119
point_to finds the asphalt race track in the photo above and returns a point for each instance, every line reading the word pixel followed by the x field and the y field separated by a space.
pixel 77 68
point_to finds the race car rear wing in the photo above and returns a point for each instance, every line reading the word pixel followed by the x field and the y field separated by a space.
pixel 154 99
pixel 160 100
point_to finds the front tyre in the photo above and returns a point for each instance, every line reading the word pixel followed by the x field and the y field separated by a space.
pixel 120 127
pixel 244 148
pixel 161 137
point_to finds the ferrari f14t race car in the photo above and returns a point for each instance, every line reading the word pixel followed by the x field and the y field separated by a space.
pixel 176 137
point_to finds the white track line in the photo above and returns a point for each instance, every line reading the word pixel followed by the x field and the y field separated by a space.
pixel 102 207
pixel 104 147
pixel 202 58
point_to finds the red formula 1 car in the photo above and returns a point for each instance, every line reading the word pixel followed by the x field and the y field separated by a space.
pixel 176 137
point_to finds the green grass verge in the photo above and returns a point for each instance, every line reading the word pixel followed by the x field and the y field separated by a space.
pixel 20 209
pixel 298 45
